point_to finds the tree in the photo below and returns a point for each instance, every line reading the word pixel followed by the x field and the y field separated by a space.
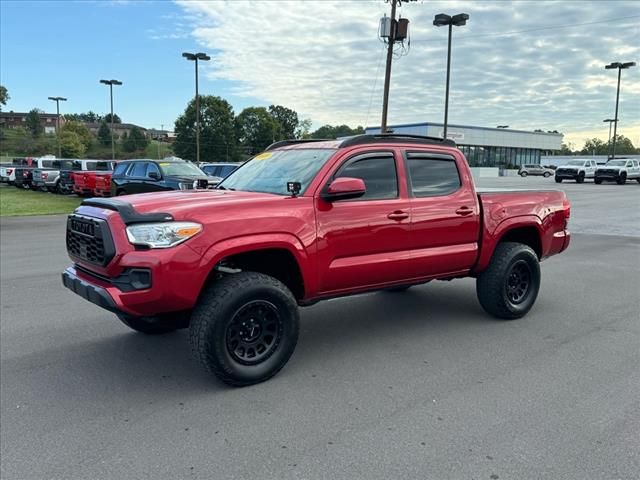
pixel 89 117
pixel 595 146
pixel 104 134
pixel 71 145
pixel 287 121
pixel 4 96
pixel 217 132
pixel 328 131
pixel 566 149
pixel 116 118
pixel 256 129
pixel 83 132
pixel 304 127
pixel 33 122
pixel 136 140
pixel 624 146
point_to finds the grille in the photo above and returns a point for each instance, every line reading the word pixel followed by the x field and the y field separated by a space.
pixel 609 172
pixel 566 171
pixel 89 239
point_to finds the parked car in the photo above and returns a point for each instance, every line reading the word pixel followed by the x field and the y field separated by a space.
pixel 531 169
pixel 302 222
pixel 66 175
pixel 48 177
pixel 25 167
pixel 618 171
pixel 221 169
pixel 576 170
pixel 8 173
pixel 142 176
pixel 84 181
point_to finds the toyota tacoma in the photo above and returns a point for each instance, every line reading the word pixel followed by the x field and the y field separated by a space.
pixel 301 222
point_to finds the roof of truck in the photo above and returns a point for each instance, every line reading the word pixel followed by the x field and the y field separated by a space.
pixel 360 140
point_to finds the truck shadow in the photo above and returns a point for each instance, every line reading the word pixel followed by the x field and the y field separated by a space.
pixel 141 368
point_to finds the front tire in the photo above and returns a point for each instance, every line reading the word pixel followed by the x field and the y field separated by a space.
pixel 622 179
pixel 508 288
pixel 597 181
pixel 558 180
pixel 580 178
pixel 245 328
pixel 523 174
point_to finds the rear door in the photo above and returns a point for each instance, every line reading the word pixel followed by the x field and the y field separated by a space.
pixel 445 217
pixel 363 242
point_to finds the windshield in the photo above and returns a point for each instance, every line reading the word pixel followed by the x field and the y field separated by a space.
pixel 181 168
pixel 616 163
pixel 269 172
pixel 575 163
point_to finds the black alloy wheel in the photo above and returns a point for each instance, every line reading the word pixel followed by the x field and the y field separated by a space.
pixel 518 282
pixel 254 332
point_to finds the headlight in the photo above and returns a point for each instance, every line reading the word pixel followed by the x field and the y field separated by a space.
pixel 162 235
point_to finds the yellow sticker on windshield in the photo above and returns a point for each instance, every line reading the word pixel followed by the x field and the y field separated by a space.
pixel 263 156
pixel 164 164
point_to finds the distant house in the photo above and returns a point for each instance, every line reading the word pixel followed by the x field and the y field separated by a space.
pixel 119 129
pixel 161 135
pixel 19 119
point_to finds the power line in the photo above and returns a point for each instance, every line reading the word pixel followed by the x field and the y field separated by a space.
pixel 550 27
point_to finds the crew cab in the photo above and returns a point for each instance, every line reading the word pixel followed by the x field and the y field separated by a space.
pixel 576 170
pixel 619 171
pixel 302 222
pixel 145 175
pixel 48 177
pixel 84 181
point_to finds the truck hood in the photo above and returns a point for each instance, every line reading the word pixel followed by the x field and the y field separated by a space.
pixel 186 204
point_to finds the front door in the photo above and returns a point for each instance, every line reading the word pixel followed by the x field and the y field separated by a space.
pixel 363 242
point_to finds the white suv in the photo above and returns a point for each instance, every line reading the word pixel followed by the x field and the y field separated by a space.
pixel 618 171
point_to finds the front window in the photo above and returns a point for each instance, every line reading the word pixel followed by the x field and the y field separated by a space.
pixel 179 168
pixel 269 172
pixel 616 163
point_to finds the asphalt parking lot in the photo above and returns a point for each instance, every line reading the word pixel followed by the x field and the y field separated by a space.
pixel 420 384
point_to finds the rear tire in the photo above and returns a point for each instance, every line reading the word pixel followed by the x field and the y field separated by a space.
pixel 558 180
pixel 245 328
pixel 622 179
pixel 638 179
pixel 508 288
pixel 156 325
pixel 546 174
pixel 119 193
pixel 523 174
pixel 597 181
pixel 580 178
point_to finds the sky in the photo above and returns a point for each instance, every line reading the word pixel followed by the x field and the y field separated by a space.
pixel 526 64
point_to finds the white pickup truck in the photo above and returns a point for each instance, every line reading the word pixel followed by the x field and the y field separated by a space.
pixel 576 170
pixel 618 171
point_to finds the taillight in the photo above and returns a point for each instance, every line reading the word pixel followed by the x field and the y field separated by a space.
pixel 45 176
pixel 25 174
pixel 566 206
pixel 9 171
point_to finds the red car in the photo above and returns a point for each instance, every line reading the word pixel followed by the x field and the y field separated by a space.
pixel 302 222
pixel 84 182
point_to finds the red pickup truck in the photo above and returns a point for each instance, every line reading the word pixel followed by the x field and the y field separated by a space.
pixel 84 182
pixel 302 222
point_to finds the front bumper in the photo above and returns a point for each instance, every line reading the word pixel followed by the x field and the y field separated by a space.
pixel 93 293
pixel 567 175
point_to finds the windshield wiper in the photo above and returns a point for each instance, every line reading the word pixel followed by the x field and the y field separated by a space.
pixel 222 187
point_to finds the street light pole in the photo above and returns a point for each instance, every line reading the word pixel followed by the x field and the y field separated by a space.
pixel 441 20
pixel 58 100
pixel 620 66
pixel 387 71
pixel 195 57
pixel 111 83
pixel 610 120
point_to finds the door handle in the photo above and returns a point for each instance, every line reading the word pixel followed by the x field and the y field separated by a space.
pixel 464 211
pixel 398 215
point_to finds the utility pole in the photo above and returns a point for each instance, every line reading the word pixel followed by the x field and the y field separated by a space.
pixel 161 130
pixel 620 67
pixel 111 83
pixel 387 72
pixel 58 100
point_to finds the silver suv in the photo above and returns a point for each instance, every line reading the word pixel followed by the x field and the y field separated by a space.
pixel 531 169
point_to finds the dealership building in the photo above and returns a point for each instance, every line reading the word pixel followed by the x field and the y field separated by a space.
pixel 488 147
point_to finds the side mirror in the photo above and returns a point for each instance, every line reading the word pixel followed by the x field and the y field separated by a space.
pixel 344 188
pixel 154 175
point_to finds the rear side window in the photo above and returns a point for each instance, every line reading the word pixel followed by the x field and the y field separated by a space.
pixel 77 165
pixel 226 170
pixel 48 163
pixel 92 165
pixel 139 169
pixel 431 176
pixel 103 166
pixel 379 175
pixel 120 169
